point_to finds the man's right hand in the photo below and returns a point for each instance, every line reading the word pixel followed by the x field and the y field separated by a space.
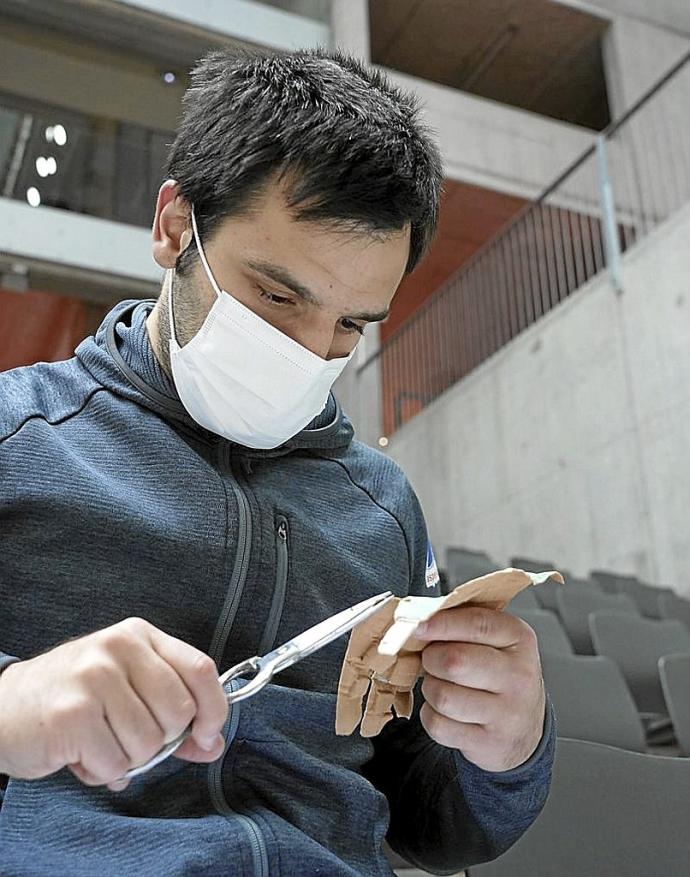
pixel 107 702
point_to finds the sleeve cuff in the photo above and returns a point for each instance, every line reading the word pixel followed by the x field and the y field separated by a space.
pixel 6 660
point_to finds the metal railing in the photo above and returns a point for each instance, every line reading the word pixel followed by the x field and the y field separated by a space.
pixel 97 166
pixel 632 178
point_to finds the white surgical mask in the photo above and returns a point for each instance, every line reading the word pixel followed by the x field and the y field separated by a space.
pixel 242 378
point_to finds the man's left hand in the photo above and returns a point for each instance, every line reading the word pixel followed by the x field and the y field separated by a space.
pixel 483 686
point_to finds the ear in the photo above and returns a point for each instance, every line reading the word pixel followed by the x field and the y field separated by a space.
pixel 171 232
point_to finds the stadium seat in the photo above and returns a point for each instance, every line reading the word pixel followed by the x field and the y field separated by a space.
pixel 525 600
pixel 674 671
pixel 611 582
pixel 551 636
pixel 574 607
pixel 610 813
pixel 636 644
pixel 530 565
pixel 462 564
pixel 672 606
pixel 646 597
pixel 592 701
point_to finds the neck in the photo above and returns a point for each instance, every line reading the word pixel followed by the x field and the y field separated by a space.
pixel 156 327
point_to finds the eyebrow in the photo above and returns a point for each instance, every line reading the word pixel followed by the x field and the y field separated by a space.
pixel 283 276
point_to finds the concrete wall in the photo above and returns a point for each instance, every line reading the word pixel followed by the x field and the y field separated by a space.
pixel 58 71
pixel 668 14
pixel 636 56
pixel 248 20
pixel 571 444
pixel 493 145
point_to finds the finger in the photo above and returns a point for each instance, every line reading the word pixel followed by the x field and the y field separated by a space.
pixel 158 684
pixel 200 675
pixel 474 666
pixel 102 759
pixel 473 624
pixel 460 703
pixel 133 724
pixel 191 751
pixel 456 735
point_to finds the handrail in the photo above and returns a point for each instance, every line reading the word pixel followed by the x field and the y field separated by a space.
pixel 481 252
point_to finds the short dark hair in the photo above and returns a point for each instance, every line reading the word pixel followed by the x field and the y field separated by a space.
pixel 349 144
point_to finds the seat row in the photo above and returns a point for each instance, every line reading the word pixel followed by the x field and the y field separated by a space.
pixel 615 654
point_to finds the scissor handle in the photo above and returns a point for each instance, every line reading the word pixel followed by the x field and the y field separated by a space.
pixel 263 670
pixel 264 673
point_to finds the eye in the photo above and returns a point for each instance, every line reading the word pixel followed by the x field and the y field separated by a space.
pixel 351 327
pixel 272 298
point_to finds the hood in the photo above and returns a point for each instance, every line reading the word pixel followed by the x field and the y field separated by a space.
pixel 120 357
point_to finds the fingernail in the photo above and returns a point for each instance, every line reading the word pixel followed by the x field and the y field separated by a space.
pixel 421 628
pixel 209 744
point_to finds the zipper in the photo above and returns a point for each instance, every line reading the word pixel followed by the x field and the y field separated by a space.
pixel 278 601
pixel 239 573
pixel 216 649
pixel 215 782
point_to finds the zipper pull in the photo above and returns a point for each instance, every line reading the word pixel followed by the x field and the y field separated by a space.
pixel 282 531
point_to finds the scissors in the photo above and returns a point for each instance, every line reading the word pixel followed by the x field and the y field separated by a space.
pixel 279 659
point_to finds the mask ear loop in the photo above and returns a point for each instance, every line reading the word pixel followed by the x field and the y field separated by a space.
pixel 202 255
pixel 209 274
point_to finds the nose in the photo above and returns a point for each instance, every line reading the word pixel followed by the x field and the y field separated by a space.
pixel 317 334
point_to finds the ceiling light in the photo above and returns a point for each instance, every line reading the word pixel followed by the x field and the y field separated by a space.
pixel 33 196
pixel 59 135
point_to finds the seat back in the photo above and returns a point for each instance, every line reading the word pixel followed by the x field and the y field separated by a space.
pixel 674 671
pixel 612 582
pixel 547 592
pixel 530 565
pixel 636 644
pixel 574 607
pixel 646 597
pixel 462 565
pixel 672 606
pixel 523 601
pixel 609 813
pixel 592 700
pixel 551 636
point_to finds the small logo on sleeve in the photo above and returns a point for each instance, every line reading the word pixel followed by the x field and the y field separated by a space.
pixel 432 576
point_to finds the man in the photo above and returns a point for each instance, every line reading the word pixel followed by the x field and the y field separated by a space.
pixel 186 492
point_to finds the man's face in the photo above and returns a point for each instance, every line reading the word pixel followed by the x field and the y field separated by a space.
pixel 318 284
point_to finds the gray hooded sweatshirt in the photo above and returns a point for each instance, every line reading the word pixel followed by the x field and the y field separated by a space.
pixel 115 503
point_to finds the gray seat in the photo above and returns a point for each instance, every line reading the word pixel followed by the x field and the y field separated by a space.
pixel 674 671
pixel 551 636
pixel 612 582
pixel 462 565
pixel 575 606
pixel 672 606
pixel 610 813
pixel 636 644
pixel 646 597
pixel 547 592
pixel 592 700
pixel 523 601
pixel 530 565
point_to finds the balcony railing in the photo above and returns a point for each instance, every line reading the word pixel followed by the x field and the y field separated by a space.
pixel 630 180
pixel 101 167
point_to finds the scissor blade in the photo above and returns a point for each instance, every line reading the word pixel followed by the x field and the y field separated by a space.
pixel 326 631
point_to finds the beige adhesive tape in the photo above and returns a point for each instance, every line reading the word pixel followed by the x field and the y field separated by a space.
pixel 383 656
